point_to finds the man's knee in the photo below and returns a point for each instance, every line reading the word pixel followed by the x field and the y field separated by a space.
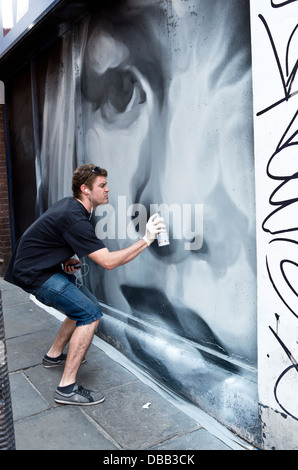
pixel 91 324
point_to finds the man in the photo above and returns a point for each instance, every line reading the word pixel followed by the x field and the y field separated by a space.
pixel 36 266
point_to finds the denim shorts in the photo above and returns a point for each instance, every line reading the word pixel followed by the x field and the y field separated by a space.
pixel 62 292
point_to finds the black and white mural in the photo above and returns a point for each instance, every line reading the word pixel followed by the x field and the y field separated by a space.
pixel 159 92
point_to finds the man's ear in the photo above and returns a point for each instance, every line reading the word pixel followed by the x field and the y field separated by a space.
pixel 84 189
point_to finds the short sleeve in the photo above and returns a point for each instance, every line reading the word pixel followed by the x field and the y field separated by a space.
pixel 82 239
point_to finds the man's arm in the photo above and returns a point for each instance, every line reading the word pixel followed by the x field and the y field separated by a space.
pixel 111 259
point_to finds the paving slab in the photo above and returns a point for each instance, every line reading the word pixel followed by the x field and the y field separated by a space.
pixel 62 428
pixel 138 417
pixel 25 318
pixel 196 440
pixel 28 350
pixel 26 401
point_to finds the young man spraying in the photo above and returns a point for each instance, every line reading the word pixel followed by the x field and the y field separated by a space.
pixel 43 264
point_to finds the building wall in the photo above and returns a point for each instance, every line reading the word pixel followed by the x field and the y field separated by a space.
pixel 159 93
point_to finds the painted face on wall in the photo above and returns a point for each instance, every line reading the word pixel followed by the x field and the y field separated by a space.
pixel 167 110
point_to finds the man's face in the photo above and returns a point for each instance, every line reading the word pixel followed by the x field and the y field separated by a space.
pixel 174 125
pixel 99 191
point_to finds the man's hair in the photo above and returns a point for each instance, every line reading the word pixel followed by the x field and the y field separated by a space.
pixel 85 174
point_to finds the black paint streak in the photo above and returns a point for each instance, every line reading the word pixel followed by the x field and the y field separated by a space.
pixel 283 374
pixel 281 4
pixel 288 77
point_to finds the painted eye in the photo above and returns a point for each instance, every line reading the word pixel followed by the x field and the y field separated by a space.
pixel 123 93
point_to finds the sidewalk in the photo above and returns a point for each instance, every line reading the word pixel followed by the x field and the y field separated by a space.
pixel 134 415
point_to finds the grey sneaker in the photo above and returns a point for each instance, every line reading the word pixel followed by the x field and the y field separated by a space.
pixel 79 396
pixel 49 362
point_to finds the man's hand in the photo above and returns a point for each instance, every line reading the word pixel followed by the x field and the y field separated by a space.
pixel 154 226
pixel 112 259
pixel 69 265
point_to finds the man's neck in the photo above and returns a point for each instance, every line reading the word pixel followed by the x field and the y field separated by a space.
pixel 86 204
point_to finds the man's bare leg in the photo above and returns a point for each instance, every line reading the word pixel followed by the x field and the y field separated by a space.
pixel 78 346
pixel 63 338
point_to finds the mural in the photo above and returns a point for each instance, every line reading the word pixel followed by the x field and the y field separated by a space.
pixel 159 93
pixel 274 32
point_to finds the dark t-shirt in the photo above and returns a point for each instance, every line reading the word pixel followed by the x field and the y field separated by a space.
pixel 61 232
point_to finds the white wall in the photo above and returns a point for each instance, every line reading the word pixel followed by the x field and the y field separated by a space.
pixel 274 61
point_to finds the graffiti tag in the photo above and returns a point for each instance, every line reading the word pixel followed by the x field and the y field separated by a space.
pixel 281 4
pixel 283 198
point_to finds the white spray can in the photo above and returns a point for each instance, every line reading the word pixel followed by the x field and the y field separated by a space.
pixel 162 238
